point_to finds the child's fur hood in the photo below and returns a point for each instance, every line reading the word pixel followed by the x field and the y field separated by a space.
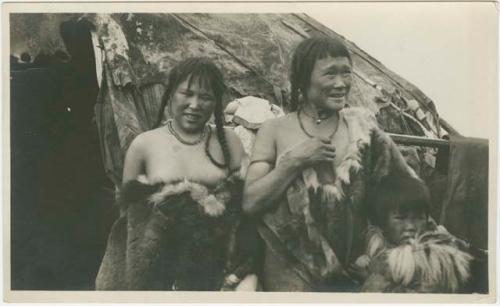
pixel 432 262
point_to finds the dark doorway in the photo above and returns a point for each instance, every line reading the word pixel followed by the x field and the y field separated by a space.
pixel 61 199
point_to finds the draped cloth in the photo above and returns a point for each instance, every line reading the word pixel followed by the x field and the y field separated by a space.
pixel 177 236
pixel 465 205
pixel 317 228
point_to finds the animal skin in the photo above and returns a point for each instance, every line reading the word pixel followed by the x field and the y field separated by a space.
pixel 176 236
pixel 430 263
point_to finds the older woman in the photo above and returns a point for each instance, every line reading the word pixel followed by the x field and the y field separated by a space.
pixel 181 195
pixel 308 173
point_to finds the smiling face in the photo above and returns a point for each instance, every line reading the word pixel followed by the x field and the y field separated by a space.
pixel 330 83
pixel 192 105
pixel 401 226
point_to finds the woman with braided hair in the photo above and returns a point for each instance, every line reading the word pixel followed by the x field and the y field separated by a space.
pixel 181 224
pixel 194 92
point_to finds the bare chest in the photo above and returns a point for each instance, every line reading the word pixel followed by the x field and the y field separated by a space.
pixel 292 135
pixel 173 161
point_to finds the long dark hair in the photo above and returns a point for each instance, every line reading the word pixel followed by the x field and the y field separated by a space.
pixel 206 72
pixel 303 61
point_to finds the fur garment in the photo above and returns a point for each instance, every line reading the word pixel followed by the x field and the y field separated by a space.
pixel 176 236
pixel 320 222
pixel 362 127
pixel 433 262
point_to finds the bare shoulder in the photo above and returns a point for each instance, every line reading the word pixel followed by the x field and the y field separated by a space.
pixel 137 154
pixel 145 139
pixel 155 134
pixel 271 131
pixel 234 144
pixel 285 121
pixel 273 126
pixel 232 137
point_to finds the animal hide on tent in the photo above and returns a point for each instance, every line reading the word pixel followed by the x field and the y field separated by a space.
pixel 177 236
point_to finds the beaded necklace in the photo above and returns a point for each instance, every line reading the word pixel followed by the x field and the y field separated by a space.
pixel 183 141
pixel 309 134
pixel 317 120
pixel 206 130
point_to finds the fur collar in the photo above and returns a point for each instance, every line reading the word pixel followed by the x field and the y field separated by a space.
pixel 212 205
pixel 212 200
pixel 432 260
pixel 361 125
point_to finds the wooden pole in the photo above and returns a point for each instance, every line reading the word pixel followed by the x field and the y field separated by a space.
pixel 419 141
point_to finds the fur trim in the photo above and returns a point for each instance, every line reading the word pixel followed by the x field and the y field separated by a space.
pixel 360 124
pixel 432 260
pixel 213 203
pixel 438 264
pixel 311 179
pixel 331 193
pixel 199 193
pixel 376 241
pixel 238 174
pixel 143 179
pixel 138 245
pixel 212 206
pixel 389 157
pixel 360 121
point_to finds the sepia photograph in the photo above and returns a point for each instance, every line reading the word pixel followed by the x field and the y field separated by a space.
pixel 246 148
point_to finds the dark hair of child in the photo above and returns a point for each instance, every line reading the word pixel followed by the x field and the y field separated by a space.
pixel 397 192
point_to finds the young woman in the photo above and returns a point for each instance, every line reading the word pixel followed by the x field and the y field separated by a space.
pixel 308 174
pixel 181 195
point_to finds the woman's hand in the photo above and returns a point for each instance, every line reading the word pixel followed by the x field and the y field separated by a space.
pixel 265 181
pixel 310 152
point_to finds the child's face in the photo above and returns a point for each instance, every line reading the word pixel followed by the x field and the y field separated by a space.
pixel 401 226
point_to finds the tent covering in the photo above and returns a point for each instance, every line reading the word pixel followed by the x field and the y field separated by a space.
pixel 134 53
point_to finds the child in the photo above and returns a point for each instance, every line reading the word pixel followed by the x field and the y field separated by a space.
pixel 406 251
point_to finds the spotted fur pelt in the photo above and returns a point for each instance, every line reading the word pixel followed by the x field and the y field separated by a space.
pixel 431 263
pixel 176 236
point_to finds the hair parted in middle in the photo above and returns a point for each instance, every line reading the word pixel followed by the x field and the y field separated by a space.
pixel 204 71
pixel 399 192
pixel 303 60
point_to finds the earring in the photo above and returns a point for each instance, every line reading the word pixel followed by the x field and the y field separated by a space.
pixel 167 113
pixel 169 109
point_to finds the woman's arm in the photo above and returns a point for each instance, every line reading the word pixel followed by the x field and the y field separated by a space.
pixel 134 160
pixel 264 183
pixel 236 149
